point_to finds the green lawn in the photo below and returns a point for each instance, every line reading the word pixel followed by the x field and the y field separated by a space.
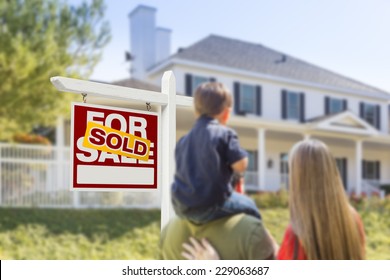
pixel 79 234
pixel 129 234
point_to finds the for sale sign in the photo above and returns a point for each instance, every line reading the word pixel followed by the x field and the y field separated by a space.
pixel 113 148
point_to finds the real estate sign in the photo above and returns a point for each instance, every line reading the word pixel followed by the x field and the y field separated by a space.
pixel 113 148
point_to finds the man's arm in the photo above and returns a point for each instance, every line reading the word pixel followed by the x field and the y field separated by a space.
pixel 261 245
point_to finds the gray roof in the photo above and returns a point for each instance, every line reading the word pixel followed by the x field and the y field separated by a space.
pixel 257 58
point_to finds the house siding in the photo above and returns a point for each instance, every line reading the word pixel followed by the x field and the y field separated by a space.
pixel 271 94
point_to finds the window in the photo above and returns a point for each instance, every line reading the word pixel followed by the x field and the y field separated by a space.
pixel 283 163
pixel 334 105
pixel 371 170
pixel 343 170
pixel 389 118
pixel 193 81
pixel 252 161
pixel 247 99
pixel 292 105
pixel 284 170
pixel 197 81
pixel 370 113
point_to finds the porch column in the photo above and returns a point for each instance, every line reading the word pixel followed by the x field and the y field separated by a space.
pixel 261 159
pixel 358 167
pixel 60 152
pixel 306 136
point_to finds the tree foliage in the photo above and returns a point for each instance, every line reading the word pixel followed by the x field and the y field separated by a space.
pixel 40 39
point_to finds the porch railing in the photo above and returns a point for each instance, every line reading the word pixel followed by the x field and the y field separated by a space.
pixel 274 181
pixel 372 187
pixel 38 176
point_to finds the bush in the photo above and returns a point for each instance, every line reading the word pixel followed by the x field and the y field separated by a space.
pixel 373 203
pixel 271 199
pixel 25 138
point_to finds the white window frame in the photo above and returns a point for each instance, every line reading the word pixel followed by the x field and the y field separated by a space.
pixel 374 116
pixel 195 83
pixel 252 164
pixel 374 171
pixel 283 168
pixel 254 101
pixel 332 102
pixel 288 105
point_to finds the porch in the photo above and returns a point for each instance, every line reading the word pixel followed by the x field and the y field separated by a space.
pixel 363 162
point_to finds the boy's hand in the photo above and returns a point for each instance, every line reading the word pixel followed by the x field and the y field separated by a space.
pixel 240 165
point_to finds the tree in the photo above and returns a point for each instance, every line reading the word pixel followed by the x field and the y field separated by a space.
pixel 40 39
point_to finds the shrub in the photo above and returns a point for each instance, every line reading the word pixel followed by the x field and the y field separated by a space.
pixel 25 138
pixel 271 199
pixel 373 203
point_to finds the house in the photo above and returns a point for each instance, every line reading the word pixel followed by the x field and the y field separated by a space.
pixel 278 100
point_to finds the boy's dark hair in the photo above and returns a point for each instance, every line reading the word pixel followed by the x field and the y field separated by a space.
pixel 211 99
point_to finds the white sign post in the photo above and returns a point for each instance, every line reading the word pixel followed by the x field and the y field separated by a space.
pixel 166 99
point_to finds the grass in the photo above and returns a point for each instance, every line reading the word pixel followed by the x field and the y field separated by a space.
pixel 79 234
pixel 132 234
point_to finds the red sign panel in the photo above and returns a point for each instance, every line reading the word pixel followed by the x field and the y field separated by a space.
pixel 113 148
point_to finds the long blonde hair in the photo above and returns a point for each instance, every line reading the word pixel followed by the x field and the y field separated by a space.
pixel 320 214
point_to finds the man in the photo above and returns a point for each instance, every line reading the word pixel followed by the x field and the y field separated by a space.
pixel 237 237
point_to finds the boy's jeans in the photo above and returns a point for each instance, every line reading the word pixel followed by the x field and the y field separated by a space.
pixel 236 203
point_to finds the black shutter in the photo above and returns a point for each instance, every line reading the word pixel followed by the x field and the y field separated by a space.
pixel 212 79
pixel 361 113
pixel 345 173
pixel 378 116
pixel 281 168
pixel 378 170
pixel 327 105
pixel 345 104
pixel 284 104
pixel 237 98
pixel 302 107
pixel 188 84
pixel 364 169
pixel 258 100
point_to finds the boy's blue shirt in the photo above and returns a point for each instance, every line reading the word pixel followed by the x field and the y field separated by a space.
pixel 203 164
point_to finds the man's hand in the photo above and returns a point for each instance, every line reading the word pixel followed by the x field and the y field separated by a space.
pixel 199 251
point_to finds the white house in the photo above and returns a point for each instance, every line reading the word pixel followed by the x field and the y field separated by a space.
pixel 278 100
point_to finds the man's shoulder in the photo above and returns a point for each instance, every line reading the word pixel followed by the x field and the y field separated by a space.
pixel 245 221
pixel 235 221
pixel 239 222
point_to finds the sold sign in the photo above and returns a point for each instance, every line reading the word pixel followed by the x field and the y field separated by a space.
pixel 114 141
pixel 113 148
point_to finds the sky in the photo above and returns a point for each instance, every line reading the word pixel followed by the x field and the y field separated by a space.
pixel 349 37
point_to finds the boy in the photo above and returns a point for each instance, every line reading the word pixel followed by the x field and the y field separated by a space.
pixel 206 159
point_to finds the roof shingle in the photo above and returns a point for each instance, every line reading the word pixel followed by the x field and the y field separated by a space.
pixel 257 58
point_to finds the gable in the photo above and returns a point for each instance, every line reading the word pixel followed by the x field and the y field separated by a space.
pixel 345 122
